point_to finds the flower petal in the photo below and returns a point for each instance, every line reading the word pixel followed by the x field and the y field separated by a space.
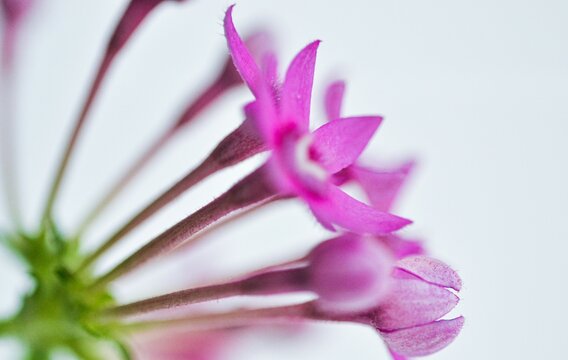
pixel 425 339
pixel 396 356
pixel 412 303
pixel 339 143
pixel 382 187
pixel 264 116
pixel 297 88
pixel 402 247
pixel 334 99
pixel 243 59
pixel 270 71
pixel 342 210
pixel 431 270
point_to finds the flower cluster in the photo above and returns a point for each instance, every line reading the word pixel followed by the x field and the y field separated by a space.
pixel 366 273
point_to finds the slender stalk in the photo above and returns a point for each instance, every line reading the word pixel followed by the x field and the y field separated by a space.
pixel 179 298
pixel 249 191
pixel 80 122
pixel 172 193
pixel 133 16
pixel 126 178
pixel 209 96
pixel 8 148
pixel 284 314
pixel 240 144
pixel 269 283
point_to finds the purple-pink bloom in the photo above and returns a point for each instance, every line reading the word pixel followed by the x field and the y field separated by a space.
pixel 408 319
pixel 302 163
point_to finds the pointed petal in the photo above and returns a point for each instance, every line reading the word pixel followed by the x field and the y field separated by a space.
pixel 431 270
pixel 243 59
pixel 297 88
pixel 270 69
pixel 344 211
pixel 334 99
pixel 413 302
pixel 425 339
pixel 382 187
pixel 339 143
pixel 263 115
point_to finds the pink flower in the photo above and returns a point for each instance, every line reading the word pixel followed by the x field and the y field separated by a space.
pixel 180 345
pixel 408 318
pixel 302 163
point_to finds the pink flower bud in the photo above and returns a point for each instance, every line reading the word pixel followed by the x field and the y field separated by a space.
pixel 349 273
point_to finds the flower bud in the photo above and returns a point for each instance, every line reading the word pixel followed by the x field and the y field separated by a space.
pixel 349 273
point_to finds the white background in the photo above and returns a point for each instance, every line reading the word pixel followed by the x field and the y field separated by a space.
pixel 475 90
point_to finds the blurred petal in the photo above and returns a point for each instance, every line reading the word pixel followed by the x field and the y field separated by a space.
pixel 263 114
pixel 342 210
pixel 396 356
pixel 382 187
pixel 297 88
pixel 270 69
pixel 334 99
pixel 412 303
pixel 431 270
pixel 243 59
pixel 425 339
pixel 402 247
pixel 339 143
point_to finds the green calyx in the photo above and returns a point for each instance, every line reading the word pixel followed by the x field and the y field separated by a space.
pixel 60 314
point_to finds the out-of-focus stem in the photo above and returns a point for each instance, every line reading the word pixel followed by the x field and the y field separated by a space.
pixel 249 191
pixel 136 12
pixel 172 193
pixel 271 315
pixel 8 146
pixel 107 199
pixel 242 143
pixel 222 84
pixel 268 283
pixel 64 162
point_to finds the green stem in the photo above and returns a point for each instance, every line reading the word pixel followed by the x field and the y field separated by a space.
pixel 79 124
pixel 8 147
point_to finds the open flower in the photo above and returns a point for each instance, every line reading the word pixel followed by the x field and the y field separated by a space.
pixel 302 162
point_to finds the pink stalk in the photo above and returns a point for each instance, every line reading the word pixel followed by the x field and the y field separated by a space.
pixel 237 146
pixel 227 79
pixel 269 283
pixel 244 317
pixel 249 191
pixel 134 15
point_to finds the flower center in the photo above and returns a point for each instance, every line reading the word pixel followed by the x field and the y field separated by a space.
pixel 305 162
